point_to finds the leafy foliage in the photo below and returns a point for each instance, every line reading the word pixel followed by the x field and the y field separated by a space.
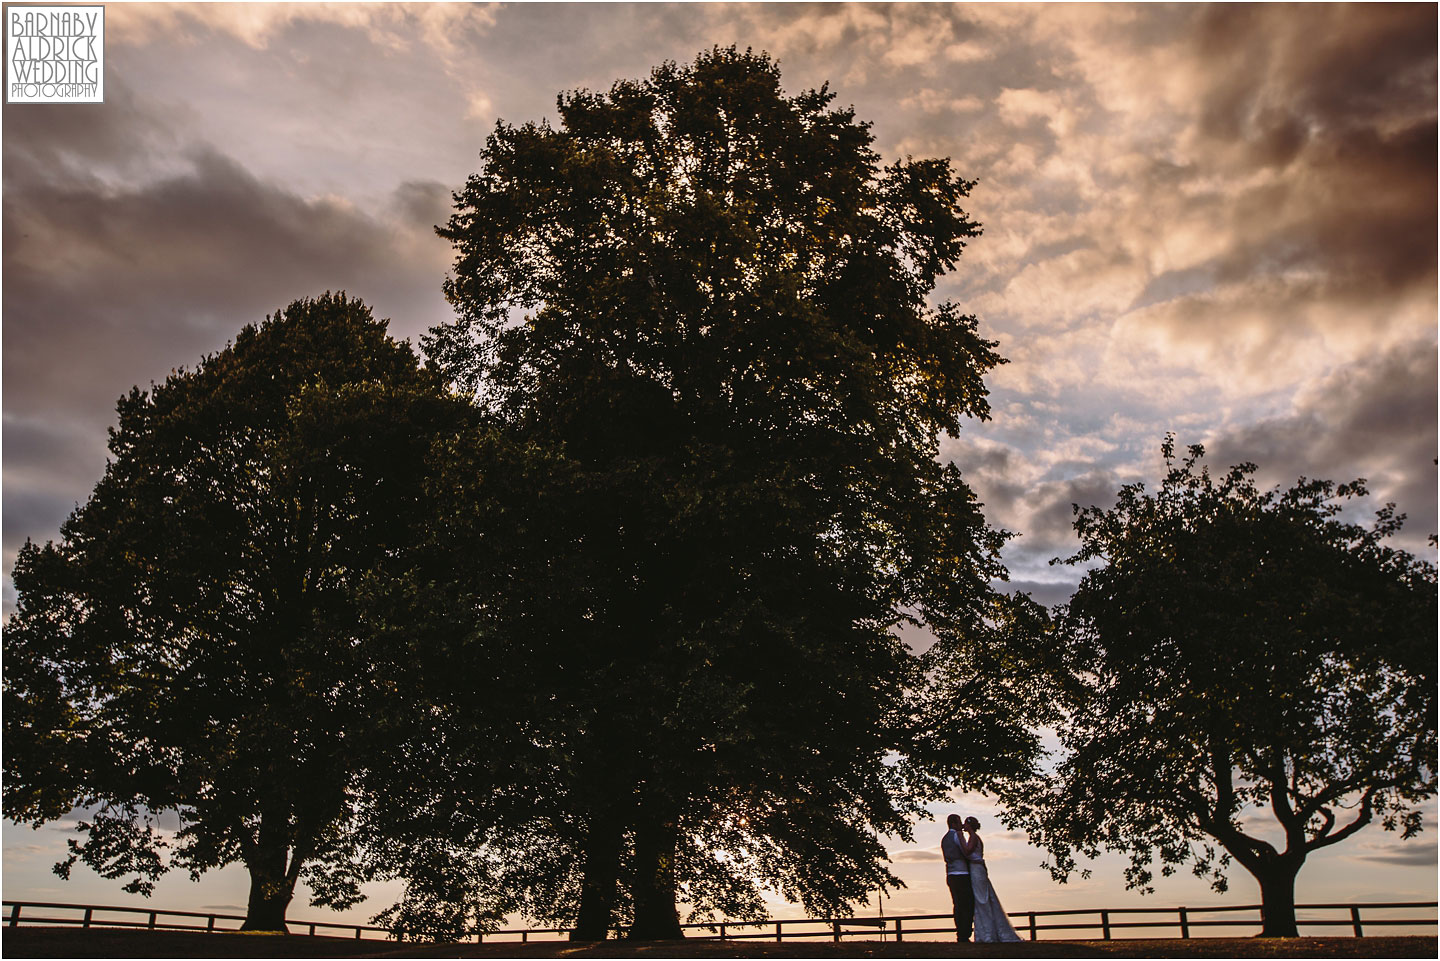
pixel 1234 650
pixel 706 303
pixel 197 640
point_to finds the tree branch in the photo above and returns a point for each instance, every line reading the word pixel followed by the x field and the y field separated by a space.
pixel 1363 818
pixel 1216 822
pixel 1334 792
pixel 1280 802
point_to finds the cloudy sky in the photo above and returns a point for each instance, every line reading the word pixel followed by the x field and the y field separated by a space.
pixel 1217 221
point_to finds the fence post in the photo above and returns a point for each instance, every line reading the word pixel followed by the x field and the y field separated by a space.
pixel 210 924
pixel 312 930
pixel 1105 923
pixel 722 932
pixel 1032 925
pixel 899 930
pixel 152 920
pixel 14 915
pixel 524 936
pixel 1355 920
pixel 778 936
pixel 836 926
pixel 357 932
pixel 1184 924
pixel 89 913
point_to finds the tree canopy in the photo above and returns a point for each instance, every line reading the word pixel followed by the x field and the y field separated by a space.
pixel 197 640
pixel 707 301
pixel 624 630
pixel 1232 650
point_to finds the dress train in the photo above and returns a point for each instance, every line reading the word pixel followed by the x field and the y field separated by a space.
pixel 991 924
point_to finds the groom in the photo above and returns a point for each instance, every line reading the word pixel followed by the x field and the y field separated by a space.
pixel 957 877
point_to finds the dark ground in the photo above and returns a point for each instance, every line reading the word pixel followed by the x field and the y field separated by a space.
pixel 39 942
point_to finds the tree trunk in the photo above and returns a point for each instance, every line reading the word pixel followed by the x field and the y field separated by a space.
pixel 271 888
pixel 598 883
pixel 1277 899
pixel 655 839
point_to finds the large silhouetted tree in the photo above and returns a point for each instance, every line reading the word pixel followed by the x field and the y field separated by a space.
pixel 197 643
pixel 1234 650
pixel 708 301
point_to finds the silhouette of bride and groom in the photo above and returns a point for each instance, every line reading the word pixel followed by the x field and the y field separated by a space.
pixel 970 890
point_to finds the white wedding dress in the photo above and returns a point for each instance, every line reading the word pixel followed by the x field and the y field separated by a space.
pixel 991 924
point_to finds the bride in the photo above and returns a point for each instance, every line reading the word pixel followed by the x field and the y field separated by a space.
pixel 991 924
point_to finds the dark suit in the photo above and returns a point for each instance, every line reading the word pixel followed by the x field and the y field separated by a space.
pixel 962 895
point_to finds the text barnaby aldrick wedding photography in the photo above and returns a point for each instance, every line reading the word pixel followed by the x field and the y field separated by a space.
pixel 55 54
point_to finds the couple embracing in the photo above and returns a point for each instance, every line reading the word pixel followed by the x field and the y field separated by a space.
pixel 974 899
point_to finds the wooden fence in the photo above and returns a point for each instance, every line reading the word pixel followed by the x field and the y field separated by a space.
pixel 1107 921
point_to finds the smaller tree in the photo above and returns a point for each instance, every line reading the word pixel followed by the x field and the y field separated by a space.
pixel 197 642
pixel 1237 650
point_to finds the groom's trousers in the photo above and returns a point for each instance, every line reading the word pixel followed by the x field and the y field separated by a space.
pixel 962 896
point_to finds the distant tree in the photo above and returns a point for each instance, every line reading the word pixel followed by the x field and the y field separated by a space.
pixel 196 642
pixel 708 301
pixel 1232 651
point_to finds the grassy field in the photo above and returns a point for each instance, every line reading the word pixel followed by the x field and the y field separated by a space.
pixel 99 943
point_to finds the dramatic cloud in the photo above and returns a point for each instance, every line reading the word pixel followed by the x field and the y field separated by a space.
pixel 1375 418
pixel 401 26
pixel 1218 221
pixel 130 252
pixel 1293 206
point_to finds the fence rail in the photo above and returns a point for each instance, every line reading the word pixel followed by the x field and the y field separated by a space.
pixel 1026 922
